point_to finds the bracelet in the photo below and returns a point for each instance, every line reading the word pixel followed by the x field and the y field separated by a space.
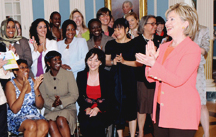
pixel 39 95
pixel 112 62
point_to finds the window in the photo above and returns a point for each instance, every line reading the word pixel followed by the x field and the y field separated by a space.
pixel 12 9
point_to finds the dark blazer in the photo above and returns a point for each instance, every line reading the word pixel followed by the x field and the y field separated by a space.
pixel 107 90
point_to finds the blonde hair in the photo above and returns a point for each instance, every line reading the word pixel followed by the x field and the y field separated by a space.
pixel 186 13
pixel 71 17
pixel 132 14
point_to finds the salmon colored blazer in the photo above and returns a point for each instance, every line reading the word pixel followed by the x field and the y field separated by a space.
pixel 180 102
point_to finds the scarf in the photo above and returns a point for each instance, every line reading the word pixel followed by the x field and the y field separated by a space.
pixel 3 36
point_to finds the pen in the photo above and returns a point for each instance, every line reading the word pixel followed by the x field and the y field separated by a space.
pixel 3 58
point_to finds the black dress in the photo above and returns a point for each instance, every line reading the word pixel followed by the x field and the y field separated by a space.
pixel 125 82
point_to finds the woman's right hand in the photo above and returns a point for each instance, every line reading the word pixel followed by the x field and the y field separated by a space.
pixel 88 110
pixel 116 59
pixel 34 44
pixel 66 67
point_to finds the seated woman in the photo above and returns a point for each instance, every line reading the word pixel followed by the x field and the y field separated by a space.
pixel 81 30
pixel 60 93
pixel 24 97
pixel 96 89
pixel 55 23
pixel 12 41
pixel 42 42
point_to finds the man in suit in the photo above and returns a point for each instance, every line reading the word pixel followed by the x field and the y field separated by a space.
pixel 127 7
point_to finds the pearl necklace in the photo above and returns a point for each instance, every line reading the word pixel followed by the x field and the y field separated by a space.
pixel 94 79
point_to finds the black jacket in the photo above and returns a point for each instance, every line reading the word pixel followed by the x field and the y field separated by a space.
pixel 107 91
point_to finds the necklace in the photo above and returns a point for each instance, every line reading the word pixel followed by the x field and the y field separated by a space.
pixel 19 83
pixel 94 79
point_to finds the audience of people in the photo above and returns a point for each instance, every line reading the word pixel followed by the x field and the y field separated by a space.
pixel 117 71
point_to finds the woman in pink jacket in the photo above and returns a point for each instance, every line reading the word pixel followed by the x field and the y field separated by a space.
pixel 176 109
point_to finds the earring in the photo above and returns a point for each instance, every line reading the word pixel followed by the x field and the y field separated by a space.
pixel 101 64
pixel 183 27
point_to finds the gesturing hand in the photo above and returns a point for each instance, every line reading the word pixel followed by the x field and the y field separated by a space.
pixel 120 58
pixel 66 67
pixel 12 48
pixel 151 49
pixel 144 59
pixel 26 84
pixel 38 81
pixel 34 44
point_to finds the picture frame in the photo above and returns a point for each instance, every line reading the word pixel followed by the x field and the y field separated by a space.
pixel 115 6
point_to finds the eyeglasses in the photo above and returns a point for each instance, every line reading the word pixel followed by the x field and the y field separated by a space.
pixel 104 15
pixel 153 23
pixel 23 67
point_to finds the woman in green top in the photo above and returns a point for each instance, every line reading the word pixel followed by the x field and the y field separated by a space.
pixel 81 31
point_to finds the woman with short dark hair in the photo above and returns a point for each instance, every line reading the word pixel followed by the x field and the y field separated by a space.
pixel 73 49
pixel 60 93
pixel 24 97
pixel 104 15
pixel 120 55
pixel 96 90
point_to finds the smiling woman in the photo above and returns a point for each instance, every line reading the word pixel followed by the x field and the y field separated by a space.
pixel 82 30
pixel 60 93
pixel 42 42
pixel 55 23
pixel 15 43
pixel 98 39
pixel 24 97
pixel 73 49
pixel 95 95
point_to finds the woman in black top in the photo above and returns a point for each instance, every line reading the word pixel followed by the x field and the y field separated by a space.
pixel 96 89
pixel 120 55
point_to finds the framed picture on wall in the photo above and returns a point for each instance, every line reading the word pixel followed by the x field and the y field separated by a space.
pixel 115 6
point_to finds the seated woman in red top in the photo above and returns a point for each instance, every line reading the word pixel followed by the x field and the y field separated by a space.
pixel 95 90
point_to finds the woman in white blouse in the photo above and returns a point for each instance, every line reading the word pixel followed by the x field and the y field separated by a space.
pixel 73 49
pixel 42 42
